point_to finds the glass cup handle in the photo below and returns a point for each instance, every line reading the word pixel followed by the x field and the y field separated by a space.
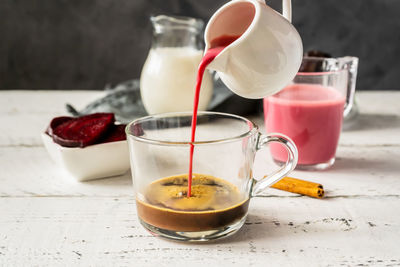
pixel 351 64
pixel 263 140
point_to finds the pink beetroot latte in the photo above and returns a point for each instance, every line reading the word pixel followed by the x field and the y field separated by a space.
pixel 311 115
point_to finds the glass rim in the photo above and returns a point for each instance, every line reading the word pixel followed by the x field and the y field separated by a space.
pixel 332 59
pixel 320 73
pixel 253 128
pixel 177 22
pixel 342 64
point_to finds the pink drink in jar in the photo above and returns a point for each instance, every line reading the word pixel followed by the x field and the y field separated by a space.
pixel 311 115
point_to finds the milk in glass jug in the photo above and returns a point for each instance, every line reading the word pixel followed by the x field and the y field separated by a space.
pixel 168 77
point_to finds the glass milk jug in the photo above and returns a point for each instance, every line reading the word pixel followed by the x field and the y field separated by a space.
pixel 168 77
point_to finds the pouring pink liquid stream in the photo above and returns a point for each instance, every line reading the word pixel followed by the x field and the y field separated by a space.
pixel 217 45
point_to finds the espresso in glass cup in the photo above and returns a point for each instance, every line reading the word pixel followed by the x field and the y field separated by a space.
pixel 222 182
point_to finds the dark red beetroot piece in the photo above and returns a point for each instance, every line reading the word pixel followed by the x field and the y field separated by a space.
pixel 56 122
pixel 82 131
pixel 116 133
pixel 313 66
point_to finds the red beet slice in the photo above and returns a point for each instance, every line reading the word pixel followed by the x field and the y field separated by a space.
pixel 116 133
pixel 56 122
pixel 83 131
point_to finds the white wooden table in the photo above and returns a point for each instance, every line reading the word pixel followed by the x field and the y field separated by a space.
pixel 46 219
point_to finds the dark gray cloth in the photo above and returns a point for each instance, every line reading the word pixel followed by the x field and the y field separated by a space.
pixel 125 102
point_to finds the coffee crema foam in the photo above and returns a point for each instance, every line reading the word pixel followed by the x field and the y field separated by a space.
pixel 214 203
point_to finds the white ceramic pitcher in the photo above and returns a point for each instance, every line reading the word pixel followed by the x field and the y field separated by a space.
pixel 265 57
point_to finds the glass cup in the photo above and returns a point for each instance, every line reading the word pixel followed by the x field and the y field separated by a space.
pixel 222 185
pixel 310 110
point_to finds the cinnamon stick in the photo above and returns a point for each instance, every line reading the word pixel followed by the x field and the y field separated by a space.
pixel 300 187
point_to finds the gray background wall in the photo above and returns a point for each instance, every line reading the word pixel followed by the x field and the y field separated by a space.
pixel 86 44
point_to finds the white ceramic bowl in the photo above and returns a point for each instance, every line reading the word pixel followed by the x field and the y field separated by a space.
pixel 91 162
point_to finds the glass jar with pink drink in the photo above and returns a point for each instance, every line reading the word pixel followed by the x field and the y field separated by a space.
pixel 310 110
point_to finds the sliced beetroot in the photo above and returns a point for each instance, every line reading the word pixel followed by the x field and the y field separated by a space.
pixel 115 133
pixel 56 122
pixel 83 131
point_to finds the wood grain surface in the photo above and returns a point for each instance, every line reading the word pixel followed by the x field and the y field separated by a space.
pixel 47 219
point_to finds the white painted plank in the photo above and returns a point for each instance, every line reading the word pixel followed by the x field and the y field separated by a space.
pixel 29 171
pixel 278 232
pixel 43 101
pixel 366 171
pixel 378 102
pixel 25 114
pixel 14 102
pixel 373 129
pixel 47 219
